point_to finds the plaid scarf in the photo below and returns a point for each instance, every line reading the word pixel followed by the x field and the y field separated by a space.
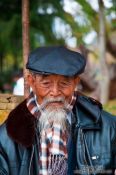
pixel 53 142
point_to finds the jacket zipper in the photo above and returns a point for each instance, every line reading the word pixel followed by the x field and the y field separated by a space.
pixel 81 137
pixel 84 140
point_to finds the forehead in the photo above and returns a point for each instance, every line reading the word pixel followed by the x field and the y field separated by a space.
pixel 54 77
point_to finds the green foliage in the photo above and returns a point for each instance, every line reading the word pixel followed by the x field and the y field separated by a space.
pixel 9 8
pixel 42 16
pixel 111 107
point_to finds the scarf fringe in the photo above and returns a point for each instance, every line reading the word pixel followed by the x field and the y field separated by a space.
pixel 57 165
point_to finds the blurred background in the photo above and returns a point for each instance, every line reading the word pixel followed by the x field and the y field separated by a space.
pixel 83 25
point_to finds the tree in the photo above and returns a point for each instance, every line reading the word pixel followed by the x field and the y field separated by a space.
pixel 104 81
pixel 42 16
pixel 26 42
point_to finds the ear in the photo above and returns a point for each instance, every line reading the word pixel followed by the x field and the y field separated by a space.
pixel 77 80
pixel 31 81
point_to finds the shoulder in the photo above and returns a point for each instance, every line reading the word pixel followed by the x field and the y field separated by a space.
pixel 108 118
pixel 91 106
pixel 88 101
pixel 13 118
pixel 88 106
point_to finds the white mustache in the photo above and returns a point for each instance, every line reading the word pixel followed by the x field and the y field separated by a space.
pixel 51 100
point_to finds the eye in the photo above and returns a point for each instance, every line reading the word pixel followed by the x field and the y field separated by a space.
pixel 64 84
pixel 45 83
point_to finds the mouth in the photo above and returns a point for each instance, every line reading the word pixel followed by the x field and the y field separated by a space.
pixel 56 103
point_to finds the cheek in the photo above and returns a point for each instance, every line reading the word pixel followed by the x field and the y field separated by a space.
pixel 40 92
pixel 68 92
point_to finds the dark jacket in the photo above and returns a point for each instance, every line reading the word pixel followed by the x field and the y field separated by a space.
pixel 91 148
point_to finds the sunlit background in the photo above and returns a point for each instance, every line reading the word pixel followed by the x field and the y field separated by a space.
pixel 75 23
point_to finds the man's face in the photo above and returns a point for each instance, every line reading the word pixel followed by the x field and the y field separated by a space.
pixel 53 86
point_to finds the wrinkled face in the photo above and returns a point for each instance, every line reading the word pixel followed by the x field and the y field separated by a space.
pixel 53 86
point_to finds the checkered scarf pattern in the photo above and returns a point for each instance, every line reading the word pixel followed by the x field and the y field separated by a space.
pixel 53 142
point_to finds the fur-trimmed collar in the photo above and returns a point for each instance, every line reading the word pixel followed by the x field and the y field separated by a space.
pixel 21 124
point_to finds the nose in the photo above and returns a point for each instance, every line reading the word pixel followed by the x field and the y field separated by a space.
pixel 55 92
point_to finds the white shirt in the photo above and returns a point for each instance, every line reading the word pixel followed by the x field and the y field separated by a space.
pixel 19 87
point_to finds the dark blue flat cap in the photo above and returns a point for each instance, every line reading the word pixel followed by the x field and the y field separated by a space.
pixel 56 60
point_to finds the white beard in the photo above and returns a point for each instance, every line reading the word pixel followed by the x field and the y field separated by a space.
pixel 51 116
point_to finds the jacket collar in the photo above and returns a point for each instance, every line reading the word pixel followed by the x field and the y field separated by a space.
pixel 21 124
pixel 88 112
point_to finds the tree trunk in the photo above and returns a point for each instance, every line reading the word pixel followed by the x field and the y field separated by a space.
pixel 104 81
pixel 26 41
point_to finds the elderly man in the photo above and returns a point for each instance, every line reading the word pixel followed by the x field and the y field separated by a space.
pixel 56 130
